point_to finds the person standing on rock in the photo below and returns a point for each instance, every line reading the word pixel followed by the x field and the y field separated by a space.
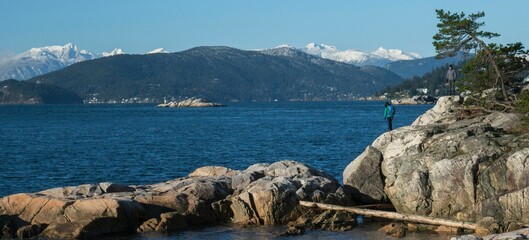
pixel 451 79
pixel 389 112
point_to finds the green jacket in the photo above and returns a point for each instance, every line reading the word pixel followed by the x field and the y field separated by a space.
pixel 389 111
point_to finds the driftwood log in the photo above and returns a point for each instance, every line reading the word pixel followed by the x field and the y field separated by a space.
pixel 392 215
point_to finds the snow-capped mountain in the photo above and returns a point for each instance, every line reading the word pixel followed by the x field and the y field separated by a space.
pixel 379 57
pixel 116 51
pixel 405 65
pixel 42 60
pixel 38 61
pixel 158 50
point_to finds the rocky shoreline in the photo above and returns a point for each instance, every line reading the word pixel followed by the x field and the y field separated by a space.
pixel 262 194
pixel 415 100
pixel 452 163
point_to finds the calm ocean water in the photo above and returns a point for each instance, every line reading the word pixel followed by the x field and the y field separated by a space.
pixel 61 145
pixel 48 146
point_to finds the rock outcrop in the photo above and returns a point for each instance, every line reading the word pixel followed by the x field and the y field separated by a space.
pixel 269 194
pixel 191 102
pixel 261 194
pixel 66 218
pixel 451 164
pixel 513 235
pixel 422 99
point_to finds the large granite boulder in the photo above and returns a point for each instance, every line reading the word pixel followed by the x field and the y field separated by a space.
pixel 70 218
pixel 195 200
pixel 270 194
pixel 366 177
pixel 444 111
pixel 449 166
pixel 95 217
pixel 192 197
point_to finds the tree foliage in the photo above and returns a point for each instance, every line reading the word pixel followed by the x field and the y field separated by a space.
pixel 496 68
pixel 457 32
pixel 23 92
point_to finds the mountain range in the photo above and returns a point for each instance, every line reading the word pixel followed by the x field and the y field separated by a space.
pixel 315 72
pixel 220 74
pixel 379 57
pixel 42 60
pixel 38 61
pixel 406 65
pixel 419 67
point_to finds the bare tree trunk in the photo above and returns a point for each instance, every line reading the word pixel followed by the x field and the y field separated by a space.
pixel 392 215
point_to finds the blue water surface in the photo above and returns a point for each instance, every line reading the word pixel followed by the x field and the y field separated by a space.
pixel 48 146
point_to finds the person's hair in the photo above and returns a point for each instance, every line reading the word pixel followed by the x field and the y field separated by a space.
pixel 450 66
pixel 386 104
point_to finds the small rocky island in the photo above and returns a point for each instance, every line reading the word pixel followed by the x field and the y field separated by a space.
pixel 191 102
pixel 452 163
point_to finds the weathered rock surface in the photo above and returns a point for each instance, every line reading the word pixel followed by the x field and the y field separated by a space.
pixel 192 197
pixel 261 194
pixel 213 171
pixel 191 102
pixel 396 230
pixel 444 111
pixel 92 210
pixel 422 99
pixel 326 220
pixel 514 235
pixel 366 177
pixel 70 218
pixel 448 165
pixel 269 194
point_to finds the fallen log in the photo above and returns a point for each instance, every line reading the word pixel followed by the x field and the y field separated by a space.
pixel 392 215
pixel 377 206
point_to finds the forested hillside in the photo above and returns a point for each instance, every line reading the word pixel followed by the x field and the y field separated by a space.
pixel 21 92
pixel 220 74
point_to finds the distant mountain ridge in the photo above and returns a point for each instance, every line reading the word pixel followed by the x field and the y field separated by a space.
pixel 419 67
pixel 38 61
pixel 406 65
pixel 220 74
pixel 379 57
pixel 42 60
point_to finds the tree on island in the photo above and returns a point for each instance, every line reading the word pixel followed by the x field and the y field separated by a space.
pixel 499 68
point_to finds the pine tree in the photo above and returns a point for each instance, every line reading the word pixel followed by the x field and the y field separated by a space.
pixel 494 66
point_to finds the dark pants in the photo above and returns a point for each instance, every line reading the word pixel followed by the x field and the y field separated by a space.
pixel 390 125
pixel 451 87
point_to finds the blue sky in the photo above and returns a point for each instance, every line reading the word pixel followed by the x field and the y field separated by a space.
pixel 140 26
